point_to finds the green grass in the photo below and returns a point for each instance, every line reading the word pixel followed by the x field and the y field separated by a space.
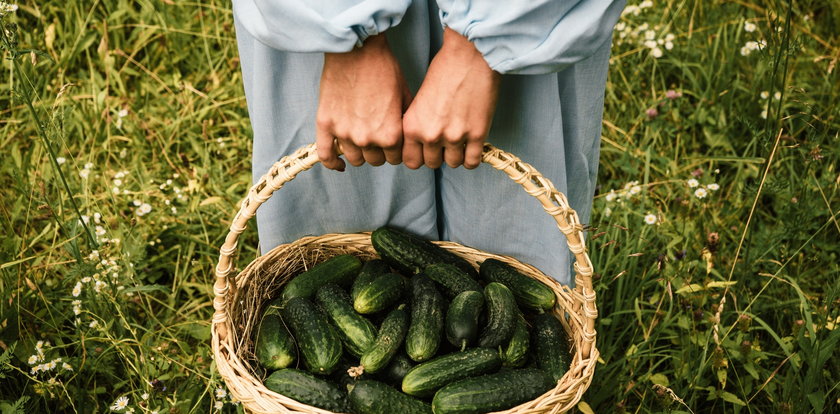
pixel 726 303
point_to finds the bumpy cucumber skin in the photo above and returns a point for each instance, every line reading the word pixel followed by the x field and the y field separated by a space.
pixel 426 378
pixel 492 392
pixel 340 270
pixel 374 397
pixel 308 389
pixel 388 342
pixel 318 341
pixel 452 280
pixel 515 352
pixel 275 346
pixel 371 269
pixel 356 331
pixel 551 346
pixel 529 292
pixel 411 254
pixel 379 294
pixel 462 318
pixel 428 310
pixel 501 315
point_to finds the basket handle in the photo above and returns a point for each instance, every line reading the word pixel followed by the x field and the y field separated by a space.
pixel 554 203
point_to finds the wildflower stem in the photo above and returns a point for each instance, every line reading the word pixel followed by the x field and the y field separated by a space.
pixel 25 93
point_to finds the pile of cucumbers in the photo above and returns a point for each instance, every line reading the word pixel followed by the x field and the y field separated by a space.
pixel 418 331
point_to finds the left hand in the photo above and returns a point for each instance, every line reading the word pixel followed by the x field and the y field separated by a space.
pixel 451 114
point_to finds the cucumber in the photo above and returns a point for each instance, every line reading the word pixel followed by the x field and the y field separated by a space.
pixel 379 294
pixel 551 345
pixel 410 254
pixel 394 373
pixel 428 310
pixel 374 397
pixel 388 342
pixel 451 279
pixel 501 315
pixel 515 352
pixel 274 347
pixel 462 318
pixel 339 270
pixel 308 389
pixel 318 341
pixel 357 333
pixel 529 292
pixel 371 269
pixel 426 378
pixel 492 392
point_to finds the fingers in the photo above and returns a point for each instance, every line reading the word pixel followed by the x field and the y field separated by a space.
pixel 325 144
pixel 472 153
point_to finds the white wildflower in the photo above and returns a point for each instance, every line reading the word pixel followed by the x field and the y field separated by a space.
pixel 99 285
pixel 77 307
pixel 700 193
pixel 84 173
pixel 144 209
pixel 636 189
pixel 219 405
pixel 77 290
pixel 764 114
pixel 60 160
pixel 692 182
pixel 93 324
pixel 115 190
pixel 145 396
pixel 136 203
pixel 650 44
pixel 656 52
pixel 620 26
pixel 713 187
pixel 607 212
pixel 120 404
pixel 761 44
pixel 100 231
pixel 650 35
pixel 6 8
pixel 612 195
pixel 88 165
pixel 645 4
pixel 777 95
pixel 749 27
pixel 122 113
pixel 86 279
pixel 669 45
pixel 764 94
pixel 67 367
pixel 34 359
pixel 117 182
pixel 221 393
pixel 650 219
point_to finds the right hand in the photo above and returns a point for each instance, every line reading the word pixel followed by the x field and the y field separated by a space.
pixel 362 98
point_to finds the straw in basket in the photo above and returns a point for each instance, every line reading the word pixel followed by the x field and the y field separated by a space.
pixel 239 297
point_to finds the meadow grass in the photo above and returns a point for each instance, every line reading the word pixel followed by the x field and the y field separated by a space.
pixel 715 236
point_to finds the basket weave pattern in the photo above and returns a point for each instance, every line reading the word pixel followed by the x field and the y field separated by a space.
pixel 238 297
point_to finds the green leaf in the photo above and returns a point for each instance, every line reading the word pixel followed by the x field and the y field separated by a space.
pixel 691 288
pixel 732 398
pixel 585 408
pixel 659 379
pixel 817 400
pixel 148 288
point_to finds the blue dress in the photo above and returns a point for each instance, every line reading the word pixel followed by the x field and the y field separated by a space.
pixel 554 56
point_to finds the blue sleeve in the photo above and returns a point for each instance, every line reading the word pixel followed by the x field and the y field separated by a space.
pixel 317 25
pixel 533 36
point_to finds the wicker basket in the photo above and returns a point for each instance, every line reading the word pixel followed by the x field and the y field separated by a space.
pixel 238 298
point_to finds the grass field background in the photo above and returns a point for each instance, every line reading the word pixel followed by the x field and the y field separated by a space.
pixel 125 148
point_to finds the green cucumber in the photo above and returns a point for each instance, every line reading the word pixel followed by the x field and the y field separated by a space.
pixel 394 373
pixel 411 254
pixel 318 341
pixel 274 347
pixel 358 333
pixel 371 269
pixel 426 378
pixel 462 318
pixel 492 392
pixel 451 279
pixel 374 397
pixel 551 345
pixel 529 292
pixel 515 352
pixel 428 310
pixel 501 315
pixel 339 270
pixel 388 342
pixel 308 389
pixel 379 294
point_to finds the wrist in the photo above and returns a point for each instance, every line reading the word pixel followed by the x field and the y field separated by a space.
pixel 456 44
pixel 373 46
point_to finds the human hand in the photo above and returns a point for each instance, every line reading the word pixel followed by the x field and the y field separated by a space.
pixel 450 117
pixel 362 98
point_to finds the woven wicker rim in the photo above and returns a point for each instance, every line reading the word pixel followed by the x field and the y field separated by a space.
pixel 575 307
